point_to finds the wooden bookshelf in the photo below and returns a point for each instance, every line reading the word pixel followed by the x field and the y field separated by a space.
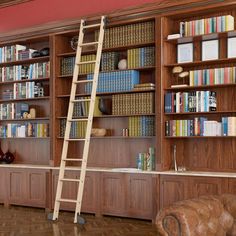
pixel 37 159
pixel 195 153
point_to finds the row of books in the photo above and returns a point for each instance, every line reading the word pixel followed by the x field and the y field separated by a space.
pixel 207 26
pixel 200 126
pixel 82 108
pixel 7 94
pixel 68 63
pixel 109 61
pixel 144 86
pixel 14 53
pixel 140 57
pixel 22 72
pixel 78 129
pixel 13 110
pixel 141 126
pixel 115 81
pixel 213 76
pixel 130 104
pixel 146 161
pixel 39 130
pixel 142 32
pixel 195 101
pixel 28 90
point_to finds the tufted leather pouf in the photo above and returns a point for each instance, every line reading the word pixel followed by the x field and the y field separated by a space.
pixel 203 216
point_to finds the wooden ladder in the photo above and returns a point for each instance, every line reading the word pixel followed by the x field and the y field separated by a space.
pixel 86 140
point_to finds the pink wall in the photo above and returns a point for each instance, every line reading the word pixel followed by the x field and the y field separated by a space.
pixel 37 12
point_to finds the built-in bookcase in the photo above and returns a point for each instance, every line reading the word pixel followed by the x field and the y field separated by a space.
pixel 198 146
pixel 25 84
pixel 130 123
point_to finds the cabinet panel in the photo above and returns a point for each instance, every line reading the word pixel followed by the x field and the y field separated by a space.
pixel 17 186
pixel 172 189
pixel 27 187
pixel 69 191
pixel 140 195
pixel 113 194
pixel 205 186
pixel 3 184
pixel 232 186
pixel 36 187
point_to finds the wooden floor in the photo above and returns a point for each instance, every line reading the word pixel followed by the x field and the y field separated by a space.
pixel 22 221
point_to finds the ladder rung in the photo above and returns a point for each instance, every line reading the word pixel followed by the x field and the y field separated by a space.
pixel 91 26
pixel 84 119
pixel 73 159
pixel 88 44
pixel 66 200
pixel 75 139
pixel 83 81
pixel 86 62
pixel 81 100
pixel 70 180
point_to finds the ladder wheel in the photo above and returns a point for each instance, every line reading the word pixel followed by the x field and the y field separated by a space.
pixel 50 217
pixel 80 220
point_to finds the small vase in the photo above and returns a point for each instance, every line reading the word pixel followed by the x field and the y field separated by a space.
pixel 105 106
pixel 1 155
pixel 8 157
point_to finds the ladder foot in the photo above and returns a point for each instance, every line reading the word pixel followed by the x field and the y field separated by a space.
pixel 50 217
pixel 80 220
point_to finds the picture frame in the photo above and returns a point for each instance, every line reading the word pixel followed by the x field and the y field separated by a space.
pixel 231 47
pixel 210 50
pixel 185 52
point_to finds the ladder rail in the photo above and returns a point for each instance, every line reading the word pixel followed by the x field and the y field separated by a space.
pixel 90 120
pixel 70 119
pixel 68 126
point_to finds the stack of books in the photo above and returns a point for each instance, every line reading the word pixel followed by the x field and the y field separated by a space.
pixel 142 32
pixel 130 104
pixel 140 57
pixel 207 26
pixel 146 161
pixel 109 61
pixel 144 86
pixel 115 81
pixel 141 126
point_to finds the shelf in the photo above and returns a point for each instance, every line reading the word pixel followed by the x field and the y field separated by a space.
pixel 118 137
pixel 203 63
pixel 25 120
pixel 202 37
pixel 200 137
pixel 25 99
pixel 118 48
pixel 107 94
pixel 26 138
pixel 201 113
pixel 200 87
pixel 138 68
pixel 25 166
pixel 28 61
pixel 109 116
pixel 24 81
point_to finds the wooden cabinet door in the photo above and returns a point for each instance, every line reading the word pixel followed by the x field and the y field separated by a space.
pixel 69 191
pixel 113 196
pixel 200 186
pixel 90 196
pixel 140 196
pixel 232 186
pixel 36 188
pixel 3 184
pixel 172 189
pixel 17 186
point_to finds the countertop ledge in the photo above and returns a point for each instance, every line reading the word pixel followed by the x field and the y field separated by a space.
pixel 126 170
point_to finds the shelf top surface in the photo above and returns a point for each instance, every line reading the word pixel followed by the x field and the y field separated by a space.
pixel 126 170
